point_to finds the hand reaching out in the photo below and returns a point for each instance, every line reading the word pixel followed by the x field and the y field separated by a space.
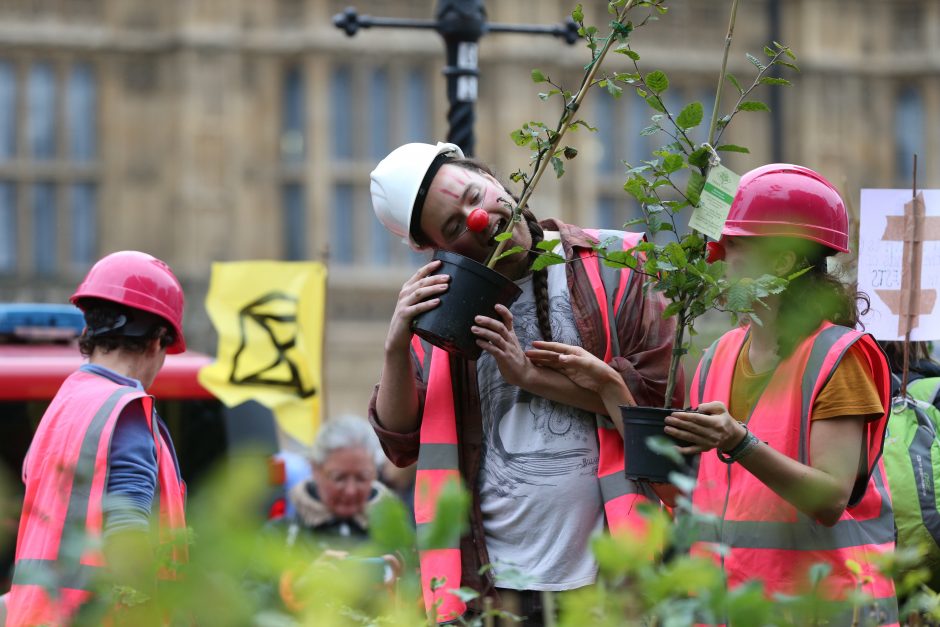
pixel 579 365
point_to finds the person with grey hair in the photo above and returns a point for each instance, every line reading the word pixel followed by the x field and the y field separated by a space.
pixel 331 508
pixel 328 520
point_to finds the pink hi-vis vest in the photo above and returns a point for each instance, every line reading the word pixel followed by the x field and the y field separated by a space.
pixel 767 537
pixel 66 473
pixel 438 455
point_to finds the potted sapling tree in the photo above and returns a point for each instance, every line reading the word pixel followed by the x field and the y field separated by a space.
pixel 682 266
pixel 476 288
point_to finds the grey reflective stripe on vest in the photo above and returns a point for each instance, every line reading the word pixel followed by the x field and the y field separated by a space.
pixel 424 366
pixel 920 454
pixel 49 574
pixel 68 571
pixel 817 356
pixel 610 278
pixel 437 457
pixel 704 366
pixel 800 535
pixel 616 485
pixel 805 534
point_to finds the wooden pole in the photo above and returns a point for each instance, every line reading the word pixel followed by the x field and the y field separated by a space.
pixel 912 301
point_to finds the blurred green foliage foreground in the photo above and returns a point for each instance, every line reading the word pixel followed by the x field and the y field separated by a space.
pixel 242 572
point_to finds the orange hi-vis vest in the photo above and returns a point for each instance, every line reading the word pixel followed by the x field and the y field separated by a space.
pixel 65 472
pixel 767 537
pixel 438 453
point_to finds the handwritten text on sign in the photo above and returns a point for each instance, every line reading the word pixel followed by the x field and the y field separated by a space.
pixel 899 263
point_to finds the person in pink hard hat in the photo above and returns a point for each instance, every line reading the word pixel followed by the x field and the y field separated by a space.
pixel 104 496
pixel 789 414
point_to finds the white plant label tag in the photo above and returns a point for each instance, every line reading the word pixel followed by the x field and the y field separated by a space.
pixel 715 202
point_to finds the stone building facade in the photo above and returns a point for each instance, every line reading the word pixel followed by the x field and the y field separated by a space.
pixel 217 130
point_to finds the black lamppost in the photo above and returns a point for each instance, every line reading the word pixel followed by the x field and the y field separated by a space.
pixel 461 23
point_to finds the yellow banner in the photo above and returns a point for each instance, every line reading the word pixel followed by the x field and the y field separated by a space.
pixel 269 316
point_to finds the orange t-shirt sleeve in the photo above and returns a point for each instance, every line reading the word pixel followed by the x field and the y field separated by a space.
pixel 850 391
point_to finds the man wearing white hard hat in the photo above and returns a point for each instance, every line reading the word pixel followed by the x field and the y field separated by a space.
pixel 537 451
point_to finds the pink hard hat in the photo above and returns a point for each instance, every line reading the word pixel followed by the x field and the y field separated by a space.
pixel 788 201
pixel 139 281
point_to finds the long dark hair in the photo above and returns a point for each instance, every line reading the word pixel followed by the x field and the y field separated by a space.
pixel 814 297
pixel 540 277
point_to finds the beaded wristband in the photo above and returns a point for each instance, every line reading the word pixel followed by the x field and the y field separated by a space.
pixel 743 448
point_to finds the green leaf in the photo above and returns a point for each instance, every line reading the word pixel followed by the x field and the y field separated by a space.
pixel 508 253
pixel 520 137
pixel 614 89
pixel 574 126
pixel 578 13
pixel 636 187
pixel 650 130
pixel 630 53
pixel 559 166
pixel 548 244
pixel 677 255
pixel 693 189
pixel 673 162
pixel 792 66
pixel 627 77
pixel 464 594
pixel 655 103
pixel 770 52
pixel 538 77
pixel 773 80
pixel 657 81
pixel 389 527
pixel 699 157
pixel 690 116
pixel 733 148
pixel 734 81
pixel 501 237
pixel 661 445
pixel 619 259
pixel 450 519
pixel 753 105
pixel 546 259
pixel 741 296
pixel 756 62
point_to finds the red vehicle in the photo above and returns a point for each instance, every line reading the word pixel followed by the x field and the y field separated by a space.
pixel 38 350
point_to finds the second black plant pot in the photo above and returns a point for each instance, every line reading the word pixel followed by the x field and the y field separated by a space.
pixel 474 290
pixel 640 461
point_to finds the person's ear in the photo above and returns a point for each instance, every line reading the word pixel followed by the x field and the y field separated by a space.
pixel 785 263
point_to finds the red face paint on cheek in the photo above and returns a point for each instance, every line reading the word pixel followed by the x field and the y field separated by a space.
pixel 447 192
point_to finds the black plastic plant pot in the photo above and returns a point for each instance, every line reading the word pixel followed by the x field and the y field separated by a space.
pixel 474 290
pixel 640 461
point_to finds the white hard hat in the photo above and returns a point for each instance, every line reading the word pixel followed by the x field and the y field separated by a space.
pixel 401 177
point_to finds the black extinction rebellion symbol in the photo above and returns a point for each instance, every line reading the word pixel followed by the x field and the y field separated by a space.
pixel 269 314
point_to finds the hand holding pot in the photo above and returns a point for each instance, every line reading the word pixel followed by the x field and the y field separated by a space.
pixel 498 338
pixel 419 294
pixel 710 426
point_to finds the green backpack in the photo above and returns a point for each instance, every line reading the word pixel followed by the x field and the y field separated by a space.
pixel 912 463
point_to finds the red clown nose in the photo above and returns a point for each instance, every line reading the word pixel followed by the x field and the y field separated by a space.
pixel 478 220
